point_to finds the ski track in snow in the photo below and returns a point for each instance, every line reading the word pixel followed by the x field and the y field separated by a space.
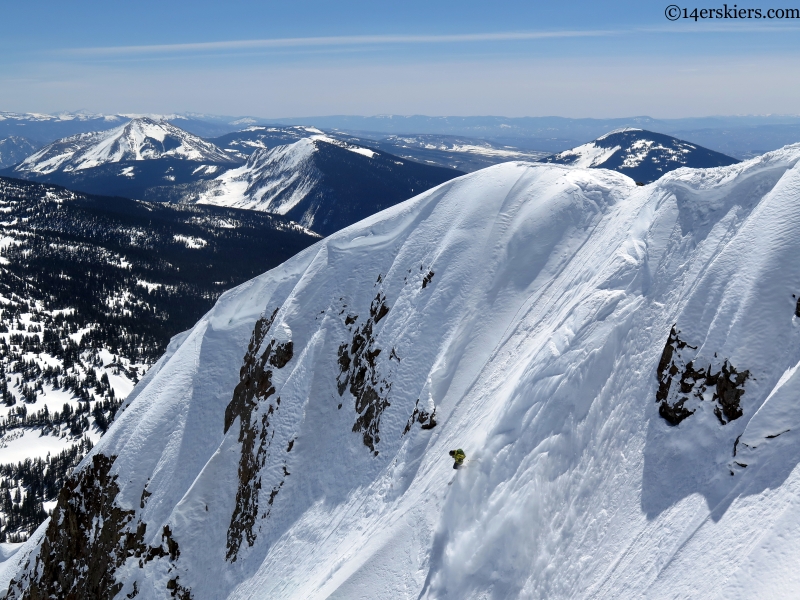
pixel 536 340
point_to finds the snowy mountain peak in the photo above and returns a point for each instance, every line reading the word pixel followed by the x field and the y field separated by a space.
pixel 642 155
pixel 275 180
pixel 64 116
pixel 620 130
pixel 320 182
pixel 322 138
pixel 618 363
pixel 142 138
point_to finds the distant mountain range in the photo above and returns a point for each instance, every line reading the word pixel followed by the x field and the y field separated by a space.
pixel 44 129
pixel 738 136
pixel 126 160
pixel 462 154
pixel 323 183
pixel 258 137
pixel 91 291
pixel 642 155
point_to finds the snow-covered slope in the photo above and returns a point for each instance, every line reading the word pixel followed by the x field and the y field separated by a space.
pixel 462 154
pixel 465 154
pixel 259 137
pixel 271 180
pixel 140 139
pixel 642 155
pixel 144 159
pixel 618 362
pixel 323 183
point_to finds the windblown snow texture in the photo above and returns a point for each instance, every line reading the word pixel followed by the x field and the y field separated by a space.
pixel 322 183
pixel 642 155
pixel 536 310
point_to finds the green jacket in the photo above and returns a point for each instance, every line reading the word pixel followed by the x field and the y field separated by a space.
pixel 459 456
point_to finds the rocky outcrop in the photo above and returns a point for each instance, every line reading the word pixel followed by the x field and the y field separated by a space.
pixel 255 387
pixel 358 371
pixel 88 539
pixel 684 378
pixel 427 420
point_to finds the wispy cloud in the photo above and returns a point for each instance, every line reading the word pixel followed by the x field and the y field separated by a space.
pixel 389 40
pixel 360 40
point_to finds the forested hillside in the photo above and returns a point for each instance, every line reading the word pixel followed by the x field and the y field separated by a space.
pixel 91 290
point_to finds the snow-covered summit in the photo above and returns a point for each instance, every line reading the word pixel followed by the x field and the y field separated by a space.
pixel 620 130
pixel 259 137
pixel 63 116
pixel 271 180
pixel 140 139
pixel 619 364
pixel 321 182
pixel 642 155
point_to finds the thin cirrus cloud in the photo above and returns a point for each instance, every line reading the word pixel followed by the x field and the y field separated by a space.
pixel 362 40
pixel 355 41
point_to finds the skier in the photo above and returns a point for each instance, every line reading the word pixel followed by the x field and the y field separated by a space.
pixel 458 457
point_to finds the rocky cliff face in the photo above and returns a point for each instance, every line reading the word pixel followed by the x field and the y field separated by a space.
pixel 618 363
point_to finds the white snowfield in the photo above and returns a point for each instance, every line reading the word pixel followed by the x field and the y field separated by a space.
pixel 588 155
pixel 274 180
pixel 634 154
pixel 142 138
pixel 591 155
pixel 536 340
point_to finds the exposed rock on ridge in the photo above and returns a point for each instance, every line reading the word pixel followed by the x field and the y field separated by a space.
pixel 255 386
pixel 685 380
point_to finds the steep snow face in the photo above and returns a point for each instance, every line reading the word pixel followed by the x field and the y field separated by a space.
pixel 140 139
pixel 323 183
pixel 642 155
pixel 619 364
pixel 271 180
pixel 274 180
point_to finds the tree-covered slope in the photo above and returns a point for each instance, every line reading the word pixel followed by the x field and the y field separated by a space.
pixel 91 291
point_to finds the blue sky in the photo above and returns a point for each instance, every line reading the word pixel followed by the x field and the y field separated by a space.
pixel 301 58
